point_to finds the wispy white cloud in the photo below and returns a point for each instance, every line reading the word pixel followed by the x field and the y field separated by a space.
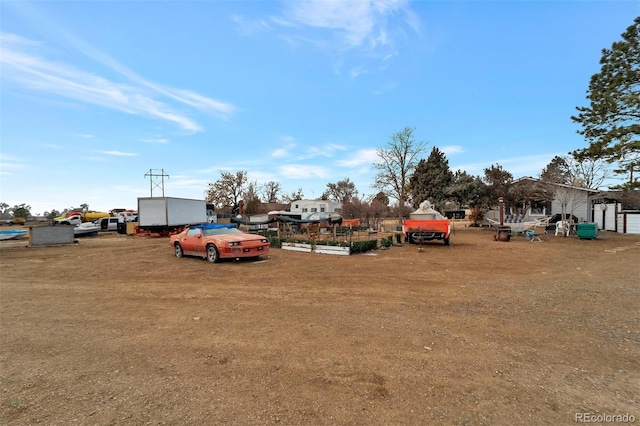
pixel 220 109
pixel 25 65
pixel 211 106
pixel 187 182
pixel 369 27
pixel 291 149
pixel 304 171
pixel 119 153
pixel 387 88
pixel 356 23
pixel 280 153
pixel 156 140
pixel 8 164
pixel 366 32
pixel 327 150
pixel 360 158
pixel 287 145
pixel 135 190
pixel 356 72
pixel 248 26
pixel 452 149
pixel 50 146
pixel 261 177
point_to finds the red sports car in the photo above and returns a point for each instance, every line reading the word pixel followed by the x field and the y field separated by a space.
pixel 215 241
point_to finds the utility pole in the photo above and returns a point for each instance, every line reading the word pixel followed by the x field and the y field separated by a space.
pixel 153 179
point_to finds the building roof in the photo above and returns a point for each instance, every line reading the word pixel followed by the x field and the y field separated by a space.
pixel 578 188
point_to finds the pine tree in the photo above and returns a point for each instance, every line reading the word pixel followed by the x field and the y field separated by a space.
pixel 431 180
pixel 611 124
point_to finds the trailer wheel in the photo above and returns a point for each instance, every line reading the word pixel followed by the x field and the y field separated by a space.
pixel 178 250
pixel 212 253
pixel 446 241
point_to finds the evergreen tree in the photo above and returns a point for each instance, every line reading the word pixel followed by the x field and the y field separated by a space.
pixel 557 171
pixel 497 183
pixel 252 203
pixel 611 124
pixel 431 180
pixel 464 189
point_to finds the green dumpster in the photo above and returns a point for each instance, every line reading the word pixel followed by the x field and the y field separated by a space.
pixel 587 231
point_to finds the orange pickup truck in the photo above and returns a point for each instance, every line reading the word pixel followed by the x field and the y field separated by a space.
pixel 426 224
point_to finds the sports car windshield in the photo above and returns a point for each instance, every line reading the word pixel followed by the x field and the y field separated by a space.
pixel 220 231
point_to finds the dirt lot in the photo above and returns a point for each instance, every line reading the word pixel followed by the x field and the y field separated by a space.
pixel 116 330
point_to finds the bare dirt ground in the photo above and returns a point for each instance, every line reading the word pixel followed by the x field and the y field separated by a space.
pixel 116 330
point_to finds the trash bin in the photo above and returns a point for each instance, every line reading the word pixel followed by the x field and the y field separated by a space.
pixel 587 231
pixel 122 228
pixel 503 233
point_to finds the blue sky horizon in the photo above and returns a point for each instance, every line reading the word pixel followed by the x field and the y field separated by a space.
pixel 95 94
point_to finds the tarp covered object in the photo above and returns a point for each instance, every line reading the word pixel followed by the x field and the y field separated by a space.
pixel 213 225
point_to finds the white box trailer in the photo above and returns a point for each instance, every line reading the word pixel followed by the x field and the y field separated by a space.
pixel 157 214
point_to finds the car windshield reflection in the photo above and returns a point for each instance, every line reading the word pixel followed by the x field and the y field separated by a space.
pixel 220 231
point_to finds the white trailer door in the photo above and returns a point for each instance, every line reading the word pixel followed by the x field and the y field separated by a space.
pixel 152 212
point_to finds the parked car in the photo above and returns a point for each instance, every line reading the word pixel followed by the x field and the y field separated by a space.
pixel 14 221
pixel 556 218
pixel 108 223
pixel 71 220
pixel 214 241
pixel 128 216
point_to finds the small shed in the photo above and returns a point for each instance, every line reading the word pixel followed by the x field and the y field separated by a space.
pixel 617 211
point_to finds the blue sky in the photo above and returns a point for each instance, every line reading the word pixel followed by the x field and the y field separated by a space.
pixel 95 94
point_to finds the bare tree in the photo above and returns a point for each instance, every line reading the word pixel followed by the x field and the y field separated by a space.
pixel 298 195
pixel 228 190
pixel 342 191
pixel 584 172
pixel 589 172
pixel 271 192
pixel 355 209
pixel 378 209
pixel 568 198
pixel 396 164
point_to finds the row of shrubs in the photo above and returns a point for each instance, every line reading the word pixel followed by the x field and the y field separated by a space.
pixel 356 246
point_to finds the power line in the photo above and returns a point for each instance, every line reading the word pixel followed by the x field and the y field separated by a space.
pixel 153 179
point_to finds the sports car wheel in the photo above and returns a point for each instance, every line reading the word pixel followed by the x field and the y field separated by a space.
pixel 178 251
pixel 212 253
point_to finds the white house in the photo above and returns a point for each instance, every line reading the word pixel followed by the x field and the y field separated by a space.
pixel 576 201
pixel 315 209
